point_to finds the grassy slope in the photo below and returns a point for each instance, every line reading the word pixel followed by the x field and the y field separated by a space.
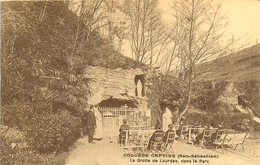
pixel 241 66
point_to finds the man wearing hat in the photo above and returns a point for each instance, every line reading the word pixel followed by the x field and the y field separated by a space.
pixel 123 128
pixel 91 124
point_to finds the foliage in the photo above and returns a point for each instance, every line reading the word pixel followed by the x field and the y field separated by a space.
pixel 17 156
pixel 206 96
pixel 162 91
pixel 197 37
pixel 16 115
pixel 228 120
pixel 200 118
pixel 252 93
pixel 53 132
pixel 44 57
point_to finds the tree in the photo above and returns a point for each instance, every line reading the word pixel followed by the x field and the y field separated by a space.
pixel 162 91
pixel 41 58
pixel 90 19
pixel 147 32
pixel 199 30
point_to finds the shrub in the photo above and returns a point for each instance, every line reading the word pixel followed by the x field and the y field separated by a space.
pixel 200 118
pixel 237 121
pixel 240 122
pixel 53 132
pixel 16 115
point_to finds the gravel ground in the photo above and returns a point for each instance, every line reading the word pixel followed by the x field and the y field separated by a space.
pixel 105 153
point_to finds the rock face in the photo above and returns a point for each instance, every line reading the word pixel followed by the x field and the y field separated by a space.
pixel 107 83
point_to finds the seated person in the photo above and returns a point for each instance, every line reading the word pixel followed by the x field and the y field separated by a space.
pixel 167 133
pixel 200 135
pixel 215 135
pixel 122 134
pixel 153 136
pixel 157 124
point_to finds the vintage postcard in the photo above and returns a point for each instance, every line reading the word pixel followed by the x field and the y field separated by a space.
pixel 130 82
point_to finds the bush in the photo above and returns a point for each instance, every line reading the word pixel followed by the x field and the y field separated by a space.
pixel 200 118
pixel 16 115
pixel 236 121
pixel 53 132
pixel 241 122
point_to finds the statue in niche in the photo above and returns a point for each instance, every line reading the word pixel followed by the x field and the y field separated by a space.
pixel 139 85
pixel 139 89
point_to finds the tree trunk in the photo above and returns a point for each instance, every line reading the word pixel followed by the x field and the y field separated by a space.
pixel 187 104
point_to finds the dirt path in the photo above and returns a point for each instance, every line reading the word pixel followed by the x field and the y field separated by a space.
pixel 105 153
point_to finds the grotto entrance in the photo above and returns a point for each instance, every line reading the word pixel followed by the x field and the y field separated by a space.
pixel 117 103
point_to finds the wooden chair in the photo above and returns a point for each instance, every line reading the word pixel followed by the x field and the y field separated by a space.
pixel 220 142
pixel 169 140
pixel 158 140
pixel 240 139
pixel 231 139
pixel 216 135
pixel 185 132
pixel 206 138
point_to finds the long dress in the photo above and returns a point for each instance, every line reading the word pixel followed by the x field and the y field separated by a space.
pixel 99 130
pixel 167 119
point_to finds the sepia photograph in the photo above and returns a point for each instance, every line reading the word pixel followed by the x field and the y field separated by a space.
pixel 130 82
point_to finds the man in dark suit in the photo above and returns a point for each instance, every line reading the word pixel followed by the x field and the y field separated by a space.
pixel 167 133
pixel 153 136
pixel 157 124
pixel 90 124
pixel 84 123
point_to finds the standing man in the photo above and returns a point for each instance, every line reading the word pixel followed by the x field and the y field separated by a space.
pixel 91 124
pixel 122 134
pixel 84 123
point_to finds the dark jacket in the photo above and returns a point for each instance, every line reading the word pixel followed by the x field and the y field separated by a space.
pixel 157 125
pixel 90 120
pixel 166 134
pixel 122 128
pixel 153 136
pixel 84 119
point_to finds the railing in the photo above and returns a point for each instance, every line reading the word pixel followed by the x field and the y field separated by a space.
pixel 112 118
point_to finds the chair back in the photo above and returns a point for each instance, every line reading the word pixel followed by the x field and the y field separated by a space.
pixel 241 136
pixel 213 130
pixel 124 132
pixel 158 136
pixel 206 134
pixel 170 137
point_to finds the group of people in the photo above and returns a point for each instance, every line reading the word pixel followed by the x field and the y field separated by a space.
pixel 91 120
pixel 158 130
pixel 196 133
